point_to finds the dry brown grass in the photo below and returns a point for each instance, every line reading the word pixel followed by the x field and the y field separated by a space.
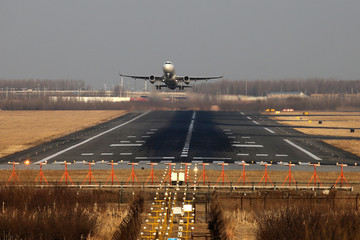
pixel 25 129
pixel 329 119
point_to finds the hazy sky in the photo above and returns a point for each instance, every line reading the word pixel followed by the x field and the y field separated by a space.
pixel 94 40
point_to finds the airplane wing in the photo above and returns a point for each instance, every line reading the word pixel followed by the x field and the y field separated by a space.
pixel 198 78
pixel 142 77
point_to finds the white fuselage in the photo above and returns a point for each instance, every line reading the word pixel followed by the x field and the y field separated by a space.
pixel 169 75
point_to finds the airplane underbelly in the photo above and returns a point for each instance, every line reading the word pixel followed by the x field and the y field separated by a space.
pixel 171 83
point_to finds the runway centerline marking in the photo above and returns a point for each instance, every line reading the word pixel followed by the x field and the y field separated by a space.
pixel 303 150
pixel 256 122
pixel 188 137
pixel 90 139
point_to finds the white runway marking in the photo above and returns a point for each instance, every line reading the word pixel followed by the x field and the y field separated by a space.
pixel 124 141
pixel 153 129
pixel 155 158
pixel 269 130
pixel 188 137
pixel 226 130
pixel 248 145
pixel 145 136
pixel 256 122
pixel 245 137
pixel 131 136
pixel 126 145
pixel 140 141
pixel 243 154
pixel 107 154
pixel 125 154
pixel 149 132
pixel 250 142
pixel 262 155
pixel 89 139
pixel 242 113
pixel 231 137
pixel 87 154
pixel 249 118
pixel 210 158
pixel 281 155
pixel 303 150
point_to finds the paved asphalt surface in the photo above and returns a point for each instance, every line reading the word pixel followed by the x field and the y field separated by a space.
pixel 188 136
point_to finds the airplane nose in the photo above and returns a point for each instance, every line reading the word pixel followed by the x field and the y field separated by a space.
pixel 168 68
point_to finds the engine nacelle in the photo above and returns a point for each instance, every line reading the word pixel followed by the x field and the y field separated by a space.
pixel 186 80
pixel 152 79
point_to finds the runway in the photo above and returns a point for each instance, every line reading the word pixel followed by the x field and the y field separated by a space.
pixel 188 136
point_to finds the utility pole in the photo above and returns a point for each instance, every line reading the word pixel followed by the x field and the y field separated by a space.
pixel 121 85
pixel 246 87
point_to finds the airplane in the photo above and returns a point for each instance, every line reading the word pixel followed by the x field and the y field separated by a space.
pixel 169 78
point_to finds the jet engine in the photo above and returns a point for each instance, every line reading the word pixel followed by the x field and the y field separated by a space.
pixel 152 79
pixel 186 80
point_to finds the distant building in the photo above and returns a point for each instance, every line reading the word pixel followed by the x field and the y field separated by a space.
pixel 287 95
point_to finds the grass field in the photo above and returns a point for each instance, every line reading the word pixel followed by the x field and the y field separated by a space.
pixel 345 120
pixel 24 129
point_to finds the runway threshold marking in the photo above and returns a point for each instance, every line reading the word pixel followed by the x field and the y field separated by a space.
pixel 107 154
pixel 186 147
pixel 303 150
pixel 87 154
pixel 269 130
pixel 243 154
pixel 248 145
pixel 211 158
pixel 126 145
pixel 90 139
pixel 125 154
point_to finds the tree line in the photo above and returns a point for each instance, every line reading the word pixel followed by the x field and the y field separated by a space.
pixel 263 87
